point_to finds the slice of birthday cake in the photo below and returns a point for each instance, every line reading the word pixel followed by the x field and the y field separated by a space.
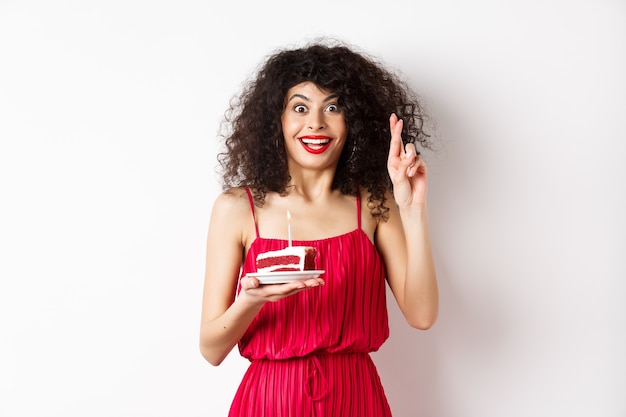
pixel 292 258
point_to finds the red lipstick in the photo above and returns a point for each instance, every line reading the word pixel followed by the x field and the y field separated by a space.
pixel 315 144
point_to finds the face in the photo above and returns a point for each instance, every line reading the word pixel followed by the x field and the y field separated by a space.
pixel 314 126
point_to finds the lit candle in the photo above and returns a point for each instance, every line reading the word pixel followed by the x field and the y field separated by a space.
pixel 289 227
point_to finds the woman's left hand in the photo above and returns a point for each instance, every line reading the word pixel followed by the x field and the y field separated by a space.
pixel 406 169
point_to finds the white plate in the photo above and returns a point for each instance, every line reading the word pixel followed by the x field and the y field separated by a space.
pixel 282 277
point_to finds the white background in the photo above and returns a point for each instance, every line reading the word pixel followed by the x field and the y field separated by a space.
pixel 108 119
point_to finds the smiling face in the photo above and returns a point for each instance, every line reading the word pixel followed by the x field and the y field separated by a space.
pixel 314 126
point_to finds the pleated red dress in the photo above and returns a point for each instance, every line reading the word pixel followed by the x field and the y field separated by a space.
pixel 309 352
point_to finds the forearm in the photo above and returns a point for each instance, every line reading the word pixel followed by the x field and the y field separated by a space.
pixel 219 335
pixel 420 292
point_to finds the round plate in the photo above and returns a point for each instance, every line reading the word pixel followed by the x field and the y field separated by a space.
pixel 282 277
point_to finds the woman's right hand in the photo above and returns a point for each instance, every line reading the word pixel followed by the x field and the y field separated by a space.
pixel 256 292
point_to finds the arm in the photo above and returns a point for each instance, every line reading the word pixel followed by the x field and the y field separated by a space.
pixel 404 240
pixel 224 320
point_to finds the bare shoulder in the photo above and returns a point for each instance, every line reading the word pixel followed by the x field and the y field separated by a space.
pixel 231 215
pixel 231 207
pixel 233 199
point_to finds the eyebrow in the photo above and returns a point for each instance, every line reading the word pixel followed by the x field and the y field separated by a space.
pixel 303 97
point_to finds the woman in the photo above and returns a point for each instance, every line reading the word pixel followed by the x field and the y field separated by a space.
pixel 319 134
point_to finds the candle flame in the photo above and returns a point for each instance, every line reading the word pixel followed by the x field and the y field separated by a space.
pixel 288 215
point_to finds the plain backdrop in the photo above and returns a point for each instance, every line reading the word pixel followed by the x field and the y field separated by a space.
pixel 109 112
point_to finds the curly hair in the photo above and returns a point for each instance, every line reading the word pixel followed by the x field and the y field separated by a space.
pixel 254 154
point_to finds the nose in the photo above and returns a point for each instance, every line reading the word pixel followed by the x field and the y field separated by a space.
pixel 316 121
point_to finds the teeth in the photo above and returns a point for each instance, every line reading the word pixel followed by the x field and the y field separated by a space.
pixel 315 141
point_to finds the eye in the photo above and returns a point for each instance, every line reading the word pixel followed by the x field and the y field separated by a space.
pixel 299 108
pixel 332 108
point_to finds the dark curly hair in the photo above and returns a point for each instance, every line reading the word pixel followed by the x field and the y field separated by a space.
pixel 254 154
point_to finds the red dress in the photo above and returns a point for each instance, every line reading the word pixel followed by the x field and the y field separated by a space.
pixel 309 352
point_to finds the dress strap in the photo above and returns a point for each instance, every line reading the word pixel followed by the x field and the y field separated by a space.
pixel 251 201
pixel 358 209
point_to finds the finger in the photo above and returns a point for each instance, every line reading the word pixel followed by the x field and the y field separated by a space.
pixel 395 127
pixel 417 167
pixel 249 282
pixel 410 151
pixel 309 283
pixel 411 146
pixel 297 286
pixel 314 282
pixel 408 159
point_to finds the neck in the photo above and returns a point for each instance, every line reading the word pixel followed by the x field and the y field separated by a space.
pixel 311 184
